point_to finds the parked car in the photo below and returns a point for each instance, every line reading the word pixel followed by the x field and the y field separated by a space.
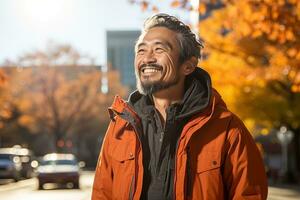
pixel 10 164
pixel 59 169
pixel 27 158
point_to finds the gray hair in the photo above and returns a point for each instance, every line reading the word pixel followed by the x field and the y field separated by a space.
pixel 190 46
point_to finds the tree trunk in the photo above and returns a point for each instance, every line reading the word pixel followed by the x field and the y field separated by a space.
pixel 59 142
pixel 296 153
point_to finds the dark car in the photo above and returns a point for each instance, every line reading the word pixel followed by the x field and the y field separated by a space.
pixel 10 164
pixel 27 160
pixel 59 169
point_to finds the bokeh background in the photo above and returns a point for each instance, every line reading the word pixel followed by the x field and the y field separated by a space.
pixel 63 61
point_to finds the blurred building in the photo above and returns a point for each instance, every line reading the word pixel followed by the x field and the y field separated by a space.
pixel 120 54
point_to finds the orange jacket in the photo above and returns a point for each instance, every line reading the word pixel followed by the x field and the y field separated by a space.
pixel 224 161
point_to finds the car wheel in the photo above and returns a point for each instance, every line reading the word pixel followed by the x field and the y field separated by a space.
pixel 28 174
pixel 17 177
pixel 76 185
pixel 40 185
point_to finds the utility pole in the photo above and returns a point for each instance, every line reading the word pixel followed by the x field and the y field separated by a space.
pixel 285 136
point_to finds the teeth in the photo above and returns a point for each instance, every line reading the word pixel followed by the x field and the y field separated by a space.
pixel 150 70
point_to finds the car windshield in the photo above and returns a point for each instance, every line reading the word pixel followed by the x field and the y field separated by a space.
pixel 5 156
pixel 58 162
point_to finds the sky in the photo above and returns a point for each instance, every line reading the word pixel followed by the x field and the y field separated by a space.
pixel 28 25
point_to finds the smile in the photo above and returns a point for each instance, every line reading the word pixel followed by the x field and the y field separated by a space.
pixel 150 69
pixel 147 70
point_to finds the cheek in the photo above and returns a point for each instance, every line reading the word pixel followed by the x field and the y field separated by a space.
pixel 170 63
pixel 136 63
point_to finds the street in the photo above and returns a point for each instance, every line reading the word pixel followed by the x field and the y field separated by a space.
pixel 27 190
pixel 284 193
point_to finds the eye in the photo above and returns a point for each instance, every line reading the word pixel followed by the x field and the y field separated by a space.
pixel 159 50
pixel 141 51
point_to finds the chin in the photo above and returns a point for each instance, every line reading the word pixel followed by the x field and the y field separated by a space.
pixel 150 88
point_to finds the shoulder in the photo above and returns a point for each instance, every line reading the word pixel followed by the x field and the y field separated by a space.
pixel 238 129
pixel 116 127
pixel 239 140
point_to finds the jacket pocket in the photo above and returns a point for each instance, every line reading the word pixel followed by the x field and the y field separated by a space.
pixel 207 182
pixel 122 151
pixel 123 167
pixel 207 161
pixel 207 177
pixel 123 156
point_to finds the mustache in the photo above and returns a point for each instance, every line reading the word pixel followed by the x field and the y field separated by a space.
pixel 155 65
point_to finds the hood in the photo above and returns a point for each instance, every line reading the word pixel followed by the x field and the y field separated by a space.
pixel 58 168
pixel 199 97
pixel 196 97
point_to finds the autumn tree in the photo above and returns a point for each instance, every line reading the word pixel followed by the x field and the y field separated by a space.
pixel 10 113
pixel 60 97
pixel 252 51
pixel 257 49
pixel 4 115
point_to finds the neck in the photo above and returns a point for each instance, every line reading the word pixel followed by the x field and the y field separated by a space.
pixel 164 98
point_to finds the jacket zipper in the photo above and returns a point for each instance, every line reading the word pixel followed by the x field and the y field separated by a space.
pixel 175 169
pixel 133 181
pixel 131 189
pixel 188 174
pixel 175 176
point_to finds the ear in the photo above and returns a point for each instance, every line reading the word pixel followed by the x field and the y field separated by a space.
pixel 189 65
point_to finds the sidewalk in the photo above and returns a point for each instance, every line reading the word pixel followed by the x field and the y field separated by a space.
pixel 284 192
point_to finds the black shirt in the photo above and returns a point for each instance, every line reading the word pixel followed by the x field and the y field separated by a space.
pixel 159 143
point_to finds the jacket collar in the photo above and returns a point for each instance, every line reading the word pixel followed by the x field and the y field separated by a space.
pixel 123 110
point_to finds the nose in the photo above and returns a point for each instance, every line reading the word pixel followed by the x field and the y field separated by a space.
pixel 149 57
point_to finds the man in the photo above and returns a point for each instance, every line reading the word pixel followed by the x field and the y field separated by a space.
pixel 174 138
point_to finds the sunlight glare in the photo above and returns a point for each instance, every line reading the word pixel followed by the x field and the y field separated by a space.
pixel 43 14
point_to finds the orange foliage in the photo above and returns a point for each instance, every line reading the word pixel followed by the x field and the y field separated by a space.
pixel 58 100
pixel 2 78
pixel 252 51
pixel 144 5
pixel 175 4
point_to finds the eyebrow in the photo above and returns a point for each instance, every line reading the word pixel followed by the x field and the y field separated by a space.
pixel 141 44
pixel 165 44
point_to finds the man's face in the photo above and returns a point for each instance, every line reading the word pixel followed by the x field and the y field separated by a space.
pixel 157 60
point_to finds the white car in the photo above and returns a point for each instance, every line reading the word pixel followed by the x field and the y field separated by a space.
pixel 59 169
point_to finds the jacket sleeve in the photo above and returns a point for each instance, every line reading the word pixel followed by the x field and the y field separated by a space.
pixel 244 174
pixel 102 187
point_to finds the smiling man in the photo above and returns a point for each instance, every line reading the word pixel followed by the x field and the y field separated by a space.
pixel 174 138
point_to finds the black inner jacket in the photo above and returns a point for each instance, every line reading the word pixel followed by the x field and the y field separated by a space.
pixel 159 141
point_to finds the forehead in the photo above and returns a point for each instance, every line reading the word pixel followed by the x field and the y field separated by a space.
pixel 159 34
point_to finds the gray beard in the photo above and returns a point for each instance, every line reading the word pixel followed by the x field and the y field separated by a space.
pixel 151 88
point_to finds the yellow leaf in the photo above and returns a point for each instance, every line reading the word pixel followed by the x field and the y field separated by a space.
pixel 292 1
pixel 175 4
pixel 292 52
pixel 264 131
pixel 245 29
pixel 298 56
pixel 144 5
pixel 274 35
pixel 290 35
pixel 275 14
pixel 256 33
pixel 2 78
pixel 25 120
pixel 295 88
pixel 5 114
pixel 202 8
pixel 155 9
